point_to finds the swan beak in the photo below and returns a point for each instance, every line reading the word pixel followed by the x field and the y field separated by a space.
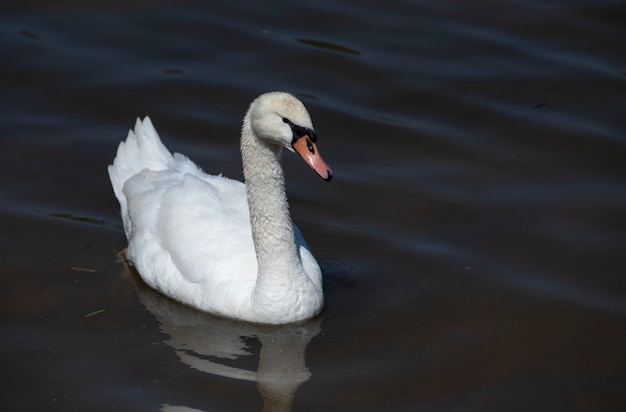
pixel 308 151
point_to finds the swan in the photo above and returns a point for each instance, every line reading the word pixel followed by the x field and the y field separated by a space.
pixel 217 244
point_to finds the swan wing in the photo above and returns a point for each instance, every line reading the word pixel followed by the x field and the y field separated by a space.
pixel 191 238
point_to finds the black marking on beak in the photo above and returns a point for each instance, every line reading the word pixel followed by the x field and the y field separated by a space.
pixel 299 131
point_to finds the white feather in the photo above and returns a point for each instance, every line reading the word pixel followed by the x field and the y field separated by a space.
pixel 190 234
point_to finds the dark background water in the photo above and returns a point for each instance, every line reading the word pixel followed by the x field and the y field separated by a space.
pixel 472 240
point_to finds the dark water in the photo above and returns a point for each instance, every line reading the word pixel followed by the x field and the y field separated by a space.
pixel 472 240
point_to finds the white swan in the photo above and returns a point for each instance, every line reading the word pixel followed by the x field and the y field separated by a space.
pixel 214 243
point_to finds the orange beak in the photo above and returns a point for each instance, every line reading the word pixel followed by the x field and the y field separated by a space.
pixel 308 151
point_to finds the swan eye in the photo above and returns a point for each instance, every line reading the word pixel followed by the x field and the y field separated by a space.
pixel 299 131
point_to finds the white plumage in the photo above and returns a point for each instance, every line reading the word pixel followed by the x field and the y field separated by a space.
pixel 191 235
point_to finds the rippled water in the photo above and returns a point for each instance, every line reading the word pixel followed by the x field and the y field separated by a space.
pixel 472 240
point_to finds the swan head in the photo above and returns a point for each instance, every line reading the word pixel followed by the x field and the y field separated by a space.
pixel 280 119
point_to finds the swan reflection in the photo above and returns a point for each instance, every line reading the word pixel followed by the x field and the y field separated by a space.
pixel 223 347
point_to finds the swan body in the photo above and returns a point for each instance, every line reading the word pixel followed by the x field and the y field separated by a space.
pixel 217 244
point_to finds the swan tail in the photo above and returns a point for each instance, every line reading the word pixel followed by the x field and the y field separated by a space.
pixel 141 150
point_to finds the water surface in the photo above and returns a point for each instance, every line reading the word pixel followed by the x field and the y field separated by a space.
pixel 472 239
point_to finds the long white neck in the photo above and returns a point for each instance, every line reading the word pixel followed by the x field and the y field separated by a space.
pixel 280 272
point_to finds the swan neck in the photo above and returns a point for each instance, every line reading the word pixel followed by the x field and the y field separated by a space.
pixel 272 229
